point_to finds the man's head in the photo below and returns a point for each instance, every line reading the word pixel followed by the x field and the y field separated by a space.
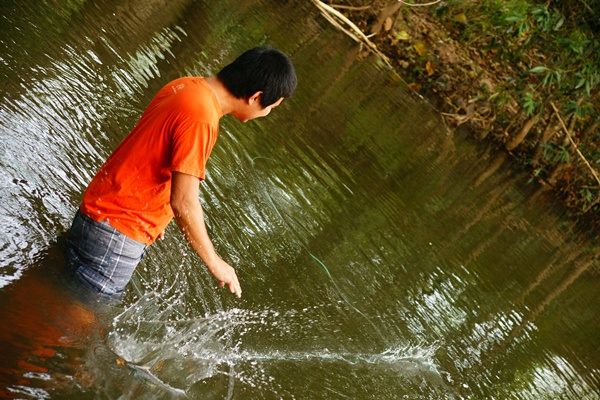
pixel 263 70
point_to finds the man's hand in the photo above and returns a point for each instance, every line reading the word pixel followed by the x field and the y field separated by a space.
pixel 226 275
pixel 190 219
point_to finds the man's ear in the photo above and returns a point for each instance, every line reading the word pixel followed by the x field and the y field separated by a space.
pixel 254 97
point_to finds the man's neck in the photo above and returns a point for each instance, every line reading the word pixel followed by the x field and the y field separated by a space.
pixel 226 100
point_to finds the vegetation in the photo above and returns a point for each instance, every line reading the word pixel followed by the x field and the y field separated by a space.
pixel 523 74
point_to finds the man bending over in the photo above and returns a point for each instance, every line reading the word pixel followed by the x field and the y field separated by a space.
pixel 154 174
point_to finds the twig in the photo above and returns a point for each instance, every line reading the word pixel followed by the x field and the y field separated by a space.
pixel 587 6
pixel 419 5
pixel 330 12
pixel 357 35
pixel 592 170
pixel 342 7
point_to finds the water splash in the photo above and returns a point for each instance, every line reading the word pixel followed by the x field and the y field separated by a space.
pixel 174 354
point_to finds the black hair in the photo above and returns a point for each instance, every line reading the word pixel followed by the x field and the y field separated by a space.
pixel 261 69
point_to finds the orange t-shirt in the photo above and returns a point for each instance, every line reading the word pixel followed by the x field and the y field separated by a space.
pixel 177 132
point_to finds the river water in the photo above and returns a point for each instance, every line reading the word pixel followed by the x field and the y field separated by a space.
pixel 381 255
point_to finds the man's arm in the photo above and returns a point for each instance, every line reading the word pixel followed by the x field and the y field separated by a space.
pixel 190 219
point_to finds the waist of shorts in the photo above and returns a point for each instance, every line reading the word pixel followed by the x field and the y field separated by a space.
pixel 129 225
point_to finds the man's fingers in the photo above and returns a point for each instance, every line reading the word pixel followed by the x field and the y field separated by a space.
pixel 236 290
pixel 234 287
pixel 227 276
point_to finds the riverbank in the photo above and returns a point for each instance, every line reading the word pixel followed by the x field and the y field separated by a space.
pixel 497 82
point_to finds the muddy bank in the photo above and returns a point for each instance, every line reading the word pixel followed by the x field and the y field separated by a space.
pixel 469 82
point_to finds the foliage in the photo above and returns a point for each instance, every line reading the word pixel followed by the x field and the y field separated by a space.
pixel 552 50
pixel 556 154
pixel 546 52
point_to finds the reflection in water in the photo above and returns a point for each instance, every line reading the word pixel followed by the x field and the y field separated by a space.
pixel 381 256
pixel 42 322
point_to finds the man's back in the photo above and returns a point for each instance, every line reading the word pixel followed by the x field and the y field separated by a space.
pixel 176 133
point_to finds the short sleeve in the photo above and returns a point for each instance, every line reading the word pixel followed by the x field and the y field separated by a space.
pixel 191 147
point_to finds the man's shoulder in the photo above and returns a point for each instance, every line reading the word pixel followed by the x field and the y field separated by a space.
pixel 192 96
pixel 185 83
pixel 184 89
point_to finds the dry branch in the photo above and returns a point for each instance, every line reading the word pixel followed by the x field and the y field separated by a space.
pixel 333 16
pixel 568 134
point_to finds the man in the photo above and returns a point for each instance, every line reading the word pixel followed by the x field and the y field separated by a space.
pixel 154 174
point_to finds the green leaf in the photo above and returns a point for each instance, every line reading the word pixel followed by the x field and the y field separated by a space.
pixel 529 103
pixel 462 18
pixel 560 23
pixel 403 35
pixel 515 17
pixel 539 69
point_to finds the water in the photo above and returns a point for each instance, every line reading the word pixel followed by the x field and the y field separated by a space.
pixel 381 255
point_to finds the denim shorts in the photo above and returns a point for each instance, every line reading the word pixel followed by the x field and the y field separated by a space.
pixel 103 258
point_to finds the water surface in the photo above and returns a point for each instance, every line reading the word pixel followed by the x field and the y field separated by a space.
pixel 381 255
